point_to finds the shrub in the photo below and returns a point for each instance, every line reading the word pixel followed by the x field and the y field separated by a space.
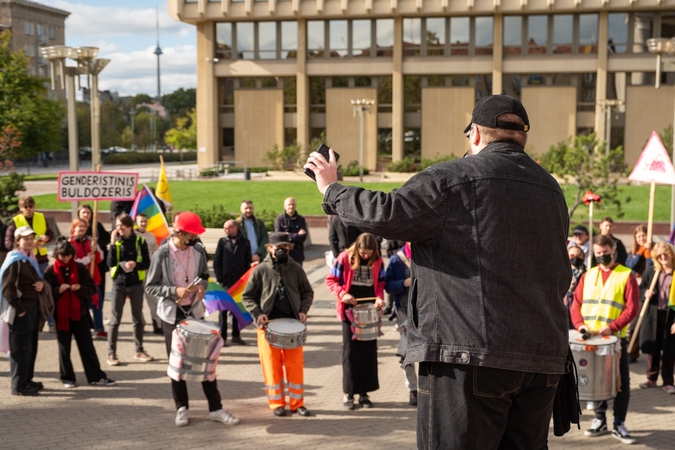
pixel 288 158
pixel 215 171
pixel 9 201
pixel 216 216
pixel 405 165
pixel 141 158
pixel 352 170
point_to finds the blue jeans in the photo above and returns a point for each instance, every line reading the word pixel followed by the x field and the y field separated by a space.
pixel 470 407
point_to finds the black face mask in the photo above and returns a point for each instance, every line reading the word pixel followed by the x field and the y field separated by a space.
pixel 281 255
pixel 576 262
pixel 605 260
pixel 192 242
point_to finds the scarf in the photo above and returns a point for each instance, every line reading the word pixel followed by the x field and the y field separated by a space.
pixel 82 249
pixel 68 305
pixel 12 257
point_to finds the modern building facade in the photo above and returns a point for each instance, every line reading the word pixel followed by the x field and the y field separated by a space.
pixel 34 25
pixel 278 71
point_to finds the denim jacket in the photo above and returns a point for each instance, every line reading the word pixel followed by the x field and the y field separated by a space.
pixel 490 267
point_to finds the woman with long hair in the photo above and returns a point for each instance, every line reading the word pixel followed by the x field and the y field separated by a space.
pixel 85 213
pixel 86 252
pixel 640 255
pixel 358 272
pixel 72 289
pixel 657 335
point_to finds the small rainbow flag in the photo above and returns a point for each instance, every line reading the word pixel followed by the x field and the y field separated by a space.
pixel 218 299
pixel 146 203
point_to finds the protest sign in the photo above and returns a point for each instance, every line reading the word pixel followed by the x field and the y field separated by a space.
pixel 74 186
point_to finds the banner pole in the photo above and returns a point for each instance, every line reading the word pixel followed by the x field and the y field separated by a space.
pixel 94 234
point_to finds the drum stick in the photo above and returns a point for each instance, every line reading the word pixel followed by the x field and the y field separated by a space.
pixel 366 299
pixel 643 311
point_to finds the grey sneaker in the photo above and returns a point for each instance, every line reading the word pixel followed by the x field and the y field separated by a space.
pixel 621 433
pixel 181 417
pixel 223 416
pixel 104 382
pixel 598 428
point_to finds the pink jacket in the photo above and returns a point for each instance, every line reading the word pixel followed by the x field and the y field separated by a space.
pixel 339 280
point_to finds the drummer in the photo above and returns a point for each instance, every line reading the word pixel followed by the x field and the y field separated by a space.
pixel 174 266
pixel 278 288
pixel 605 302
pixel 358 273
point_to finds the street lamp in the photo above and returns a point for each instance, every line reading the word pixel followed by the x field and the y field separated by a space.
pixel 362 106
pixel 659 46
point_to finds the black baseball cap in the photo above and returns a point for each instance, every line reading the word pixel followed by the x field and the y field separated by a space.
pixel 580 229
pixel 489 108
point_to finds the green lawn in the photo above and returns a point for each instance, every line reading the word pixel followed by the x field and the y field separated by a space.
pixel 43 177
pixel 269 196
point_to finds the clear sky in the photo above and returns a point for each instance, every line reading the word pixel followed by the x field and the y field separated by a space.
pixel 125 32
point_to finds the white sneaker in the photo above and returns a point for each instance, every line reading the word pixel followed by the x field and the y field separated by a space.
pixel 223 416
pixel 69 384
pixel 621 433
pixel 590 406
pixel 181 417
pixel 598 428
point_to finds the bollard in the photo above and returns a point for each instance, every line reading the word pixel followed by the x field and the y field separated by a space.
pixel 247 173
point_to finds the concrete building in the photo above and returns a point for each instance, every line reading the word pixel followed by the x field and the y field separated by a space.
pixel 33 26
pixel 277 71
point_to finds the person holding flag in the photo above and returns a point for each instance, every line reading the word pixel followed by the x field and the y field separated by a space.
pixel 174 266
pixel 278 288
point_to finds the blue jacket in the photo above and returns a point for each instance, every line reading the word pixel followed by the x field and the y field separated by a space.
pixel 397 272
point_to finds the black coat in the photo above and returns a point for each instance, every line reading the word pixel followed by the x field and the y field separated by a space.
pixel 292 225
pixel 648 337
pixel 231 261
pixel 86 291
pixel 341 237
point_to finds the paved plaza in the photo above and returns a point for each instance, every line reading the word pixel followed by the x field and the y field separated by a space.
pixel 138 412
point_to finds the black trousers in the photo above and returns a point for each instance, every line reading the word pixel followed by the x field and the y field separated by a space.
pixel 80 331
pixel 469 407
pixel 359 363
pixel 623 397
pixel 23 343
pixel 222 323
pixel 179 388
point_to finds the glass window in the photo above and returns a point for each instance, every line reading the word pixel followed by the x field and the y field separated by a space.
pixel 226 86
pixel 290 94
pixel 562 33
pixel 412 143
pixel 245 40
pixel 362 82
pixel 537 28
pixel 289 40
pixel 267 40
pixel 385 37
pixel 459 36
pixel 643 30
pixel 224 40
pixel 483 39
pixel 361 38
pixel 340 82
pixel 513 35
pixel 268 82
pixel 436 81
pixel 412 95
pixel 384 94
pixel 337 30
pixel 667 25
pixel 435 36
pixel 617 39
pixel 588 33
pixel 247 83
pixel 317 95
pixel 39 30
pixel 315 38
pixel 411 37
pixel 290 136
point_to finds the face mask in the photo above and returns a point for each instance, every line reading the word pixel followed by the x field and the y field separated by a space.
pixel 192 242
pixel 576 261
pixel 605 260
pixel 281 255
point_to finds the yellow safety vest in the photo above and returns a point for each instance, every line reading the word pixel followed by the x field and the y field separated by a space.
pixel 604 303
pixel 139 258
pixel 39 226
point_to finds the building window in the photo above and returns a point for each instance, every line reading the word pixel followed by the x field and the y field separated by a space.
pixel 39 30
pixel 384 95
pixel 340 82
pixel 363 82
pixel 290 136
pixel 617 40
pixel 361 38
pixel 289 40
pixel 588 33
pixel 245 38
pixel 248 83
pixel 29 28
pixel 435 37
pixel 562 33
pixel 412 95
pixel 52 33
pixel 290 94
pixel 316 38
pixel 224 40
pixel 459 36
pixel 667 25
pixel 412 41
pixel 30 50
pixel 483 39
pixel 384 30
pixel 513 35
pixel 267 40
pixel 317 95
pixel 537 40
pixel 338 38
pixel 226 95
pixel 268 83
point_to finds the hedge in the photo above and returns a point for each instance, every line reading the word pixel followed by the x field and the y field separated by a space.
pixel 215 171
pixel 141 158
pixel 217 215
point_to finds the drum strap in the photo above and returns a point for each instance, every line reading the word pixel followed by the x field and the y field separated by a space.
pixel 191 372
pixel 191 358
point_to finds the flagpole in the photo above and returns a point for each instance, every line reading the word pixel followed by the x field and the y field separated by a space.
pixel 94 230
pixel 650 219
pixel 590 233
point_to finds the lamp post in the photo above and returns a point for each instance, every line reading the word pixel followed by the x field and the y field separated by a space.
pixel 362 106
pixel 659 46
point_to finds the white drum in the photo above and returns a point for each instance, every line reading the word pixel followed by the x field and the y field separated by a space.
pixel 200 337
pixel 286 333
pixel 597 360
pixel 367 333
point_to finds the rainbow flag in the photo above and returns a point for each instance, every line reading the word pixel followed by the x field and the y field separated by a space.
pixel 146 203
pixel 218 299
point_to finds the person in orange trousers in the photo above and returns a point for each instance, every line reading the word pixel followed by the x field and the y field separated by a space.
pixel 279 289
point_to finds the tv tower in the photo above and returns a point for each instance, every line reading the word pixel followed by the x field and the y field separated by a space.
pixel 158 52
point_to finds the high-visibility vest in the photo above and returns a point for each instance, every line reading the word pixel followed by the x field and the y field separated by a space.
pixel 603 303
pixel 139 258
pixel 39 226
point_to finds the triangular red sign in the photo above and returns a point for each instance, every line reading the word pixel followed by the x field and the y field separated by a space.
pixel 654 165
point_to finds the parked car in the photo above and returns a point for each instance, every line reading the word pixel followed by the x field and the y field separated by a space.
pixel 85 153
pixel 114 149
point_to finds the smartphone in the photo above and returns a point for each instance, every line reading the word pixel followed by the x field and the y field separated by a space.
pixel 323 151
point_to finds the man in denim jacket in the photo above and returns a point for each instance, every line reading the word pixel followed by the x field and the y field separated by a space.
pixel 490 268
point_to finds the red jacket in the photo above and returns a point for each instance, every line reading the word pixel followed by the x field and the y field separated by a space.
pixel 339 280
pixel 83 249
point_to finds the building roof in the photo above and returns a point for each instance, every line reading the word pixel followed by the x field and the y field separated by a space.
pixel 38 6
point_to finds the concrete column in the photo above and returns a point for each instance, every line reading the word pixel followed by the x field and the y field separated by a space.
pixel 397 87
pixel 302 87
pixel 73 149
pixel 207 95
pixel 497 53
pixel 601 77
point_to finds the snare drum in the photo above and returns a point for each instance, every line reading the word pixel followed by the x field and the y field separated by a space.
pixel 365 315
pixel 367 333
pixel 200 339
pixel 597 361
pixel 286 333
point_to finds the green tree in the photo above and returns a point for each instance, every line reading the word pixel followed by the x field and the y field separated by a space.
pixel 180 102
pixel 667 138
pixel 25 105
pixel 583 163
pixel 184 134
pixel 83 113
